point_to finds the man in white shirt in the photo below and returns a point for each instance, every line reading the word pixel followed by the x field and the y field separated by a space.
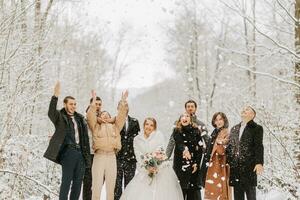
pixel 245 155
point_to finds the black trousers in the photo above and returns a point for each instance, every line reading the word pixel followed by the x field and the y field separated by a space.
pixel 73 168
pixel 191 194
pixel 126 172
pixel 87 182
pixel 240 190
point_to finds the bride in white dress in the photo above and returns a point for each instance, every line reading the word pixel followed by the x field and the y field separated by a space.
pixel 165 185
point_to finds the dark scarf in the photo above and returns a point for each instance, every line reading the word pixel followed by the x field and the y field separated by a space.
pixel 214 136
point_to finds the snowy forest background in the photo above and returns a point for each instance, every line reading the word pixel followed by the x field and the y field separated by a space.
pixel 224 54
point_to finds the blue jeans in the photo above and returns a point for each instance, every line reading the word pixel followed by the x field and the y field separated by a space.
pixel 73 167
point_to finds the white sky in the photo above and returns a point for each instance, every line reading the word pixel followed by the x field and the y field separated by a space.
pixel 147 18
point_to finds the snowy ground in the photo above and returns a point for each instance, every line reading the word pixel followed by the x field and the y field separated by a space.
pixel 272 195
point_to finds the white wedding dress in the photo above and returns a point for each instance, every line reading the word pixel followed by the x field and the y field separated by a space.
pixel 165 185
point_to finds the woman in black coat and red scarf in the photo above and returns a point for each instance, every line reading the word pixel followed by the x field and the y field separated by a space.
pixel 187 157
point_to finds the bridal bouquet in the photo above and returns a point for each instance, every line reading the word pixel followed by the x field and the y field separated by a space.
pixel 151 161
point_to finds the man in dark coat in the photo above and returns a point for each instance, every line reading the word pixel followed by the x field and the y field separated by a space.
pixel 126 160
pixel 69 146
pixel 245 155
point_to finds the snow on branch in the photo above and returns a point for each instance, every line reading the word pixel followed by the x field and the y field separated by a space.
pixel 261 32
pixel 283 146
pixel 14 17
pixel 30 179
pixel 268 75
pixel 287 12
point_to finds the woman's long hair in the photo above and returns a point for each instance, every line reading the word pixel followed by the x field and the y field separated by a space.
pixel 223 116
pixel 179 125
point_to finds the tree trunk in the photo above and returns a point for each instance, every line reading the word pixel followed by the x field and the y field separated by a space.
pixel 297 78
pixel 253 51
pixel 37 15
pixel 196 58
pixel 39 27
pixel 1 4
pixel 23 22
pixel 250 47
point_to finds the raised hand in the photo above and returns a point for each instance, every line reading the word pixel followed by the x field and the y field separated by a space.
pixel 100 120
pixel 124 95
pixel 57 89
pixel 93 93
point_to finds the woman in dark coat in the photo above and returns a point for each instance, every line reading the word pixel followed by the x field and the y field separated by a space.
pixel 187 157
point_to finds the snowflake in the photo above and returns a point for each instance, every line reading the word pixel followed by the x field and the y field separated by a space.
pixel 190 79
pixel 184 167
pixel 164 9
pixel 171 104
pixel 200 143
pixel 215 175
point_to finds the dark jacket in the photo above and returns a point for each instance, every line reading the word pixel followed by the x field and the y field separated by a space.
pixel 207 154
pixel 189 137
pixel 244 154
pixel 127 136
pixel 61 123
pixel 202 128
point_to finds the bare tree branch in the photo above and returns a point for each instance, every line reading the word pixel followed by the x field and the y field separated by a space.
pixel 261 32
pixel 268 75
pixel 30 179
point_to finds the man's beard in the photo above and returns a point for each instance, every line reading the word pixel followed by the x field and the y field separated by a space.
pixel 69 112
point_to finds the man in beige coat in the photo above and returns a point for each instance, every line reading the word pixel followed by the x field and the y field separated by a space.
pixel 106 143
